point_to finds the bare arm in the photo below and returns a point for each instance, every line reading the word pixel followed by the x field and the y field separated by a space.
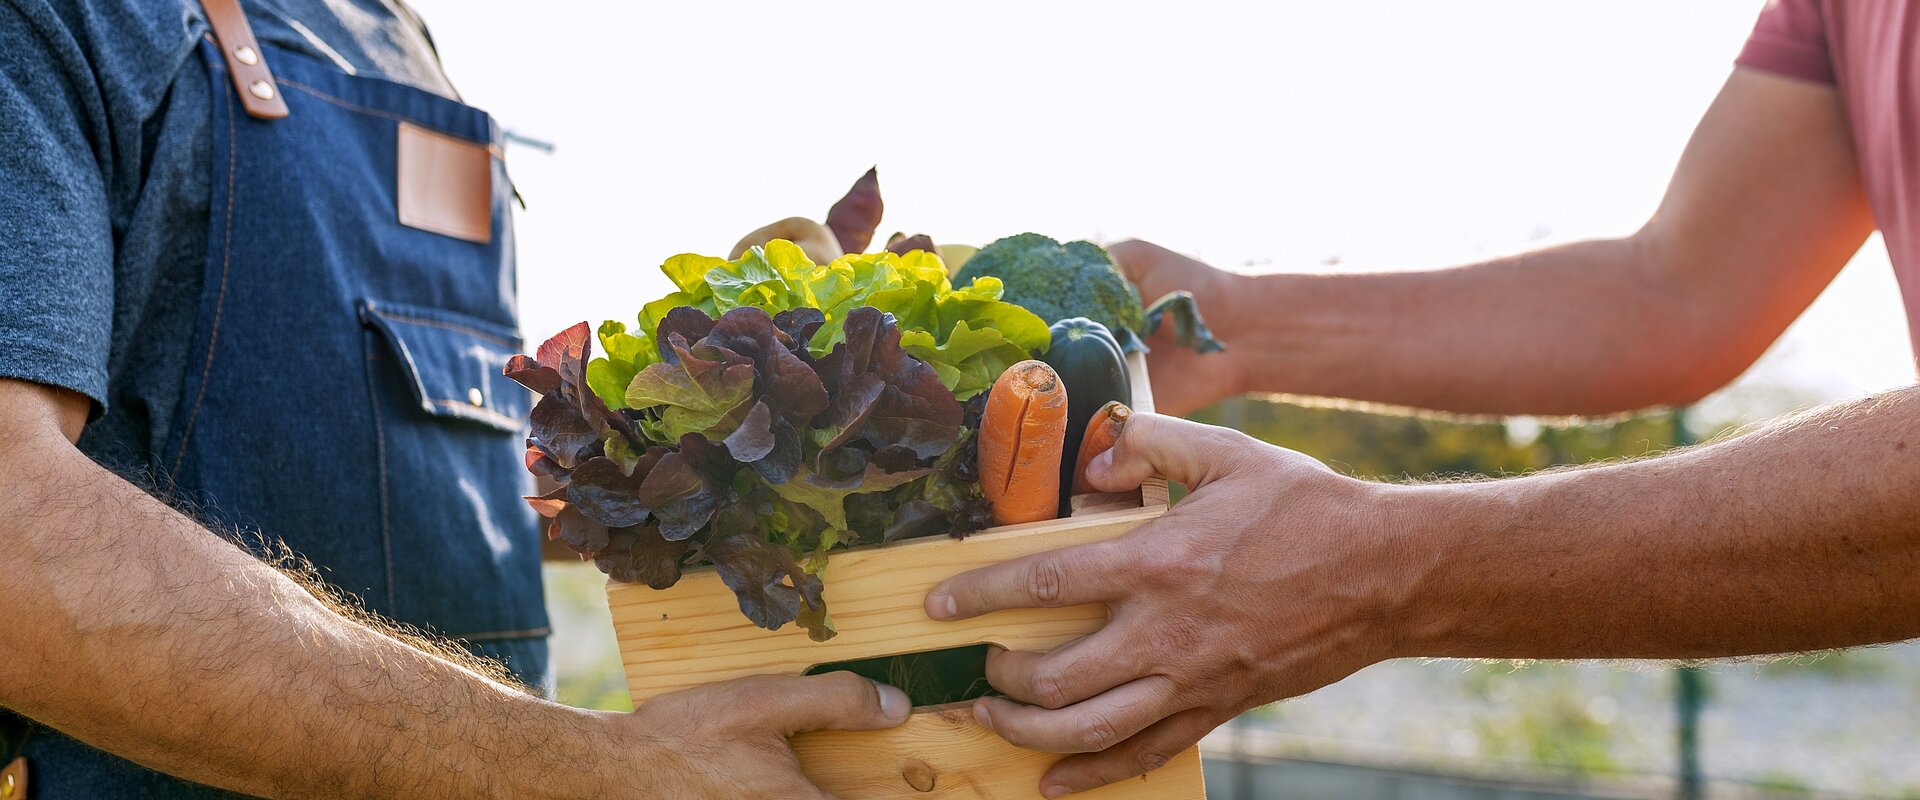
pixel 141 633
pixel 1803 535
pixel 1763 209
pixel 1276 576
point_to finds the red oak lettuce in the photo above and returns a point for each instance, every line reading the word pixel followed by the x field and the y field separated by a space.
pixel 735 445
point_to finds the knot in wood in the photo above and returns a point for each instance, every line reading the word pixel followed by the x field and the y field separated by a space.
pixel 918 775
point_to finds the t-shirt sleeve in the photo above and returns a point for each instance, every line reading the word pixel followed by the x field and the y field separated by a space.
pixel 1791 40
pixel 56 239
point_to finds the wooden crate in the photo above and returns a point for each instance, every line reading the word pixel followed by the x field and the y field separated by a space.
pixel 693 633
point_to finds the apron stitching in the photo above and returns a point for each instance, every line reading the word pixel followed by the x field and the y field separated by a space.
pixel 478 413
pixel 320 95
pixel 220 300
pixel 380 449
pixel 452 326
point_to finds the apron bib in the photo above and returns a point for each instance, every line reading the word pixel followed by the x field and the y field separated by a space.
pixel 345 396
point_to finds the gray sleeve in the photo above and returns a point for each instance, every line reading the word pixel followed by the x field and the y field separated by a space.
pixel 56 237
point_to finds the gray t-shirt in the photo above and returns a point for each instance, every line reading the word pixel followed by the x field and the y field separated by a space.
pixel 105 112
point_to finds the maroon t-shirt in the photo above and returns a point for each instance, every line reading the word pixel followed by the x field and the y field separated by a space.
pixel 1870 51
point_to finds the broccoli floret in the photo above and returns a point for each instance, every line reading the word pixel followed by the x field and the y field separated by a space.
pixel 1056 281
pixel 1077 279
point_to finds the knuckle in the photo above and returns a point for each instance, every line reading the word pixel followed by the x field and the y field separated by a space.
pixel 1139 428
pixel 1150 759
pixel 1050 690
pixel 1096 733
pixel 1046 582
pixel 850 686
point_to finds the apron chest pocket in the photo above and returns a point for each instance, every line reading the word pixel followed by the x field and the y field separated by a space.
pixel 453 362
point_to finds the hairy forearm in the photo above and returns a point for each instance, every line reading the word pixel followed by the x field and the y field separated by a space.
pixel 1577 329
pixel 141 633
pixel 1803 535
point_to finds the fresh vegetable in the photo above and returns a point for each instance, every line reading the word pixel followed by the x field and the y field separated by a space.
pixel 1077 279
pixel 1100 435
pixel 967 334
pixel 1089 361
pixel 738 443
pixel 1023 436
pixel 813 238
pixel 902 244
pixel 855 217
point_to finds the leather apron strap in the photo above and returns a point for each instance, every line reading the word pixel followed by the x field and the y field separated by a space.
pixel 251 78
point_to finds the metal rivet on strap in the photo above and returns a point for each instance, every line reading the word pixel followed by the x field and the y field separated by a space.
pixel 475 397
pixel 246 55
pixel 261 89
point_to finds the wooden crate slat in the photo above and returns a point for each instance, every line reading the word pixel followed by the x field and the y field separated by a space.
pixel 693 634
pixel 942 753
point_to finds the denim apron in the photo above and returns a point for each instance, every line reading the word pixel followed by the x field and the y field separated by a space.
pixel 346 396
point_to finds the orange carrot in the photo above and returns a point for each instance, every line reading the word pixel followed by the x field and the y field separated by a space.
pixel 1102 431
pixel 1023 434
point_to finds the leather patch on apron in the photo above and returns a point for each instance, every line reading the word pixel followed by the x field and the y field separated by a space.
pixel 13 780
pixel 445 184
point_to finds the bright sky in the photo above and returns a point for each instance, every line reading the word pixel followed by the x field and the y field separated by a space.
pixel 1262 136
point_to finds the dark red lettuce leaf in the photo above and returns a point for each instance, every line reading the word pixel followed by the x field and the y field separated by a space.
pixel 541 466
pixel 682 499
pixel 799 324
pixel 561 432
pixel 606 494
pixel 574 529
pixel 691 323
pixel 915 410
pixel 532 374
pixel 786 381
pixel 639 554
pixel 770 585
pixel 753 440
pixel 781 463
pixel 852 404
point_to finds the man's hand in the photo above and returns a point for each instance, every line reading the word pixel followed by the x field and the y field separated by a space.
pixel 132 628
pixel 1275 576
pixel 729 740
pixel 1185 381
pixel 1264 583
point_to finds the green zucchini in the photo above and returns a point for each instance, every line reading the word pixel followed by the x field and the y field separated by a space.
pixel 1089 361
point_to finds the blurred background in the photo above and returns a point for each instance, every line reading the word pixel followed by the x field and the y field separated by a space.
pixel 1291 136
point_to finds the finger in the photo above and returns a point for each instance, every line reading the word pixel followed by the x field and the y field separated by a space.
pixel 1065 577
pixel 840 701
pixel 1170 447
pixel 1085 727
pixel 1139 755
pixel 1065 675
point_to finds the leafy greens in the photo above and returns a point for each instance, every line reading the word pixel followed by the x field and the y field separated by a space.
pixel 767 411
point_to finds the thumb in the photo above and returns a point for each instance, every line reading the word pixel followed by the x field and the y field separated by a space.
pixel 840 701
pixel 1170 447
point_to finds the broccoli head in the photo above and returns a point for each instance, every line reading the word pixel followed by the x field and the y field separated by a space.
pixel 1078 279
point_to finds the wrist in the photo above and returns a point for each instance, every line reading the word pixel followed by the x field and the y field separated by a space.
pixel 567 752
pixel 1429 530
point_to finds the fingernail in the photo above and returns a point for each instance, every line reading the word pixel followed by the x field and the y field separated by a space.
pixel 893 702
pixel 982 715
pixel 942 605
pixel 1052 791
pixel 1101 464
